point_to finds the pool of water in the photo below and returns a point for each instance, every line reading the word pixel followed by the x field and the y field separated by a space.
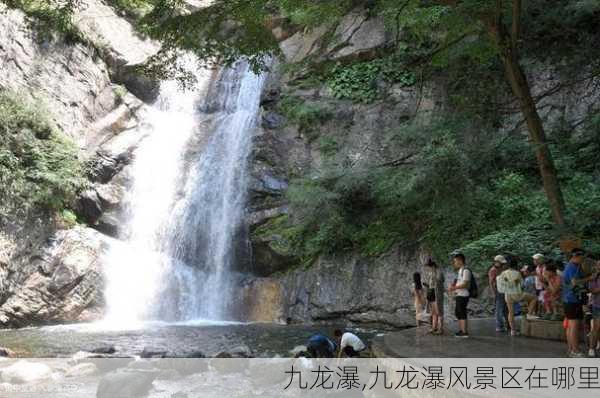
pixel 265 340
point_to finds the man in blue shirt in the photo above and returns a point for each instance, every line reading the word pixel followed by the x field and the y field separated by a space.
pixel 573 280
pixel 320 346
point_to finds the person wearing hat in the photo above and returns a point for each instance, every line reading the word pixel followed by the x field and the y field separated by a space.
pixel 573 282
pixel 460 288
pixel 511 282
pixel 500 310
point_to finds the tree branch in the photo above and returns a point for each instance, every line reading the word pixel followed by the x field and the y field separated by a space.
pixel 398 162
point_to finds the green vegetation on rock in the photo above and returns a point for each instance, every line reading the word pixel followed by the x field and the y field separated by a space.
pixel 485 198
pixel 359 81
pixel 39 168
pixel 306 114
pixel 50 17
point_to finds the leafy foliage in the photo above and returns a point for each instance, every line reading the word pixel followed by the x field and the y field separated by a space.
pixel 359 81
pixel 484 199
pixel 307 115
pixel 50 16
pixel 134 9
pixel 39 168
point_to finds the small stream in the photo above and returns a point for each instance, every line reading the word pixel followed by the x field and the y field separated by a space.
pixel 210 338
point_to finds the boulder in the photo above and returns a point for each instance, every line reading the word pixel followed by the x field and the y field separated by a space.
pixel 241 351
pixel 150 352
pixel 67 281
pixel 303 45
pixel 109 224
pixel 126 384
pixel 141 85
pixel 23 372
pixel 109 349
pixel 223 355
pixel 357 36
pixel 195 354
pixel 349 287
pixel 122 48
pixel 110 195
pixel 89 206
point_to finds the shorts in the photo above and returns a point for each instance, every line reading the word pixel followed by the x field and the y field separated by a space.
pixel 573 311
pixel 511 299
pixel 596 313
pixel 430 295
pixel 460 309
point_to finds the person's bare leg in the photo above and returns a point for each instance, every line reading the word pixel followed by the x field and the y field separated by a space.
pixel 435 318
pixel 511 314
pixel 573 335
pixel 531 305
pixel 462 325
pixel 594 333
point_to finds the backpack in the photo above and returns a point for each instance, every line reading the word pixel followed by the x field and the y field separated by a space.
pixel 473 288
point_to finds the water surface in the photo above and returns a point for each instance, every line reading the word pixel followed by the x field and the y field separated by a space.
pixel 266 340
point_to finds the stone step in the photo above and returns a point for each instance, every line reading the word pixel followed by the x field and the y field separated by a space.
pixel 542 329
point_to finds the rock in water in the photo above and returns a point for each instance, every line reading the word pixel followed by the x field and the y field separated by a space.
pixel 104 350
pixel 241 351
pixel 126 384
pixel 25 372
pixel 150 352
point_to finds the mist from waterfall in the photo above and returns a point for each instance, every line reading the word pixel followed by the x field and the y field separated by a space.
pixel 185 207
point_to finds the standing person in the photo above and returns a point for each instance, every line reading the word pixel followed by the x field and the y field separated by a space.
pixel 460 288
pixel 349 344
pixel 501 311
pixel 594 288
pixel 418 296
pixel 573 279
pixel 321 346
pixel 435 295
pixel 539 261
pixel 511 281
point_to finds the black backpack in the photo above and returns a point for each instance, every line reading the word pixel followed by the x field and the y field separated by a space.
pixel 473 288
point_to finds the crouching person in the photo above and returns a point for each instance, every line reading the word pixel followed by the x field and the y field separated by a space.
pixel 350 344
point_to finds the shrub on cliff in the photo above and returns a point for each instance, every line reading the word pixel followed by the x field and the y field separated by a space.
pixel 39 168
pixel 484 198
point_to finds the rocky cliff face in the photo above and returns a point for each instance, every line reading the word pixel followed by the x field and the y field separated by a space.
pixel 350 286
pixel 48 272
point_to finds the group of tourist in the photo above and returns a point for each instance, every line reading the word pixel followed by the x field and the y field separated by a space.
pixel 547 289
pixel 343 344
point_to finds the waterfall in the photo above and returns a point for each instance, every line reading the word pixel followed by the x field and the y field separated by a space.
pixel 185 209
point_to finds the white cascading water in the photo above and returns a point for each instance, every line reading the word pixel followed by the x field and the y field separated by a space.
pixel 186 204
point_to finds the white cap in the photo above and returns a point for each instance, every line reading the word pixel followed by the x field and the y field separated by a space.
pixel 538 256
pixel 500 259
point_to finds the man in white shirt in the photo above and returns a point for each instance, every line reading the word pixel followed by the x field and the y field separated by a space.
pixel 349 344
pixel 461 292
